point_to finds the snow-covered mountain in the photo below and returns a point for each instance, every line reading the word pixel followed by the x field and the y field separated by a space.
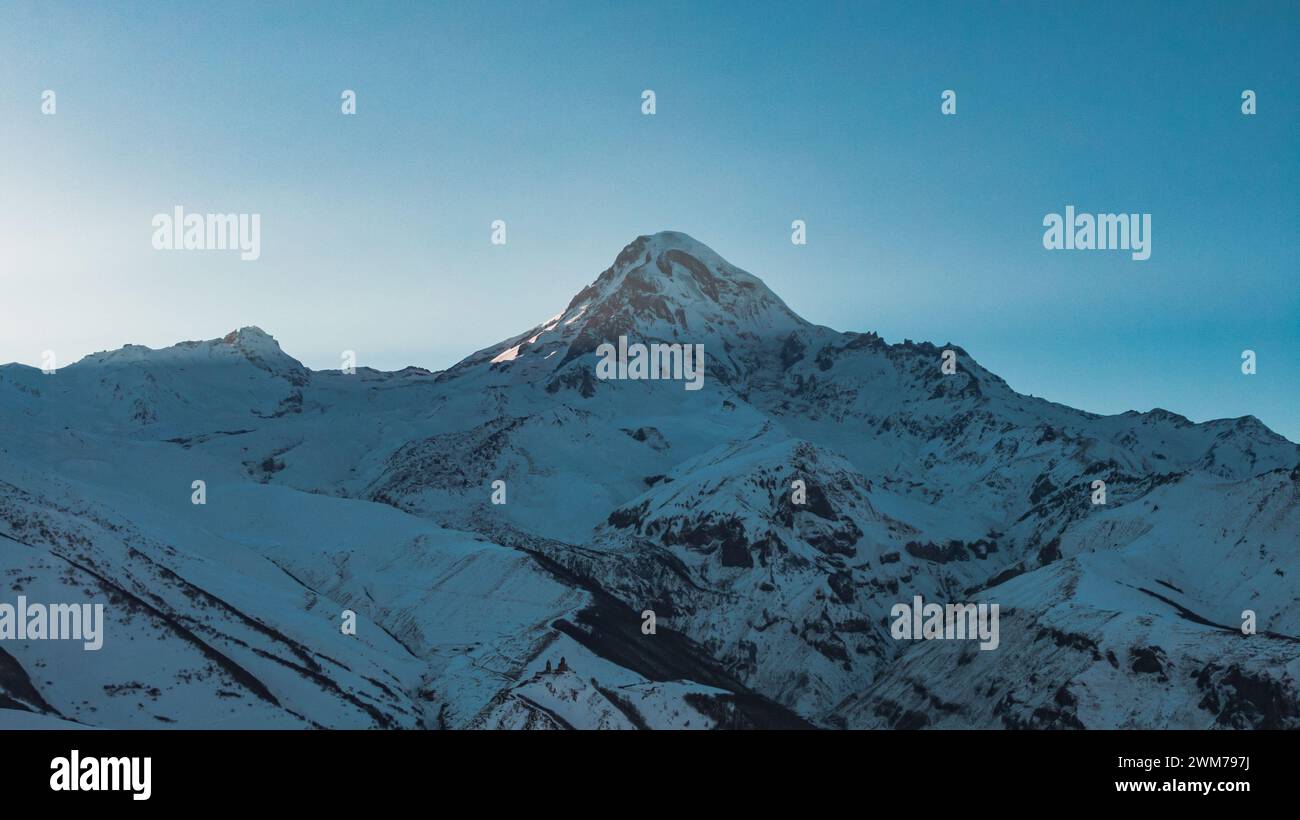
pixel 373 492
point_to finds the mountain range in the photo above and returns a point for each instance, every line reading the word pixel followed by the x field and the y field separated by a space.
pixel 373 492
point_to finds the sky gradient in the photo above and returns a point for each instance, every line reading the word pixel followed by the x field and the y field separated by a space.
pixel 375 227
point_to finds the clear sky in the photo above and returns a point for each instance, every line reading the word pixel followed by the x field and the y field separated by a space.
pixel 375 227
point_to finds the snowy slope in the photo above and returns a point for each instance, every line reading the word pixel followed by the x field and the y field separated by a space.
pixel 372 492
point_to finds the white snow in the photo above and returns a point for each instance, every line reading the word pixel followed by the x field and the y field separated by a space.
pixel 372 493
pixel 509 354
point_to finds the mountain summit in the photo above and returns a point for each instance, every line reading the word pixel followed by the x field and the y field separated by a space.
pixel 671 279
pixel 665 287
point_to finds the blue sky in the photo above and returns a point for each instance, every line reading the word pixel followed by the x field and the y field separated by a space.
pixel 375 228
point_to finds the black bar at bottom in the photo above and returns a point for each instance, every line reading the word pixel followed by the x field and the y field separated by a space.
pixel 329 770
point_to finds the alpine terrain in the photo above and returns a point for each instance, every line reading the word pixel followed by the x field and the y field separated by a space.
pixel 372 492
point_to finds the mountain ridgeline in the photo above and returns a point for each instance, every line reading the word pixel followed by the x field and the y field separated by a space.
pixel 486 521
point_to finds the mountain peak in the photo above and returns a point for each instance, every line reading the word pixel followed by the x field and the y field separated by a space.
pixel 665 286
pixel 670 277
pixel 651 247
pixel 674 240
pixel 261 348
pixel 250 335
